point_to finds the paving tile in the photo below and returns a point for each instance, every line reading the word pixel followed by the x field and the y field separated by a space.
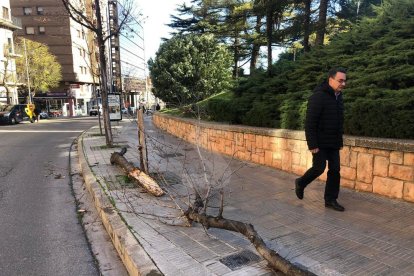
pixel 375 236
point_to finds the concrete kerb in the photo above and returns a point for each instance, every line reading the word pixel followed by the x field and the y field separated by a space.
pixel 132 254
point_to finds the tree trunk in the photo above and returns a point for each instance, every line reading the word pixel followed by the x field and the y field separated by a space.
pixel 143 179
pixel 269 36
pixel 143 155
pixel 277 262
pixel 306 25
pixel 256 46
pixel 321 26
pixel 236 57
pixel 104 77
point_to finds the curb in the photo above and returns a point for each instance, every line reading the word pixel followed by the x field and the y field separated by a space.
pixel 134 257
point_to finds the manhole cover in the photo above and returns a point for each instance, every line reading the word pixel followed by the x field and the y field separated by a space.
pixel 171 155
pixel 240 259
pixel 104 147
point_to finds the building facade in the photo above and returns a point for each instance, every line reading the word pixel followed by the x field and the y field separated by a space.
pixel 8 25
pixel 47 22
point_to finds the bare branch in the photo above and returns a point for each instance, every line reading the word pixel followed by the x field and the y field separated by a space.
pixel 79 16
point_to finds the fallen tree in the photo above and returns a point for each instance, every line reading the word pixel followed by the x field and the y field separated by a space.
pixel 276 262
pixel 142 178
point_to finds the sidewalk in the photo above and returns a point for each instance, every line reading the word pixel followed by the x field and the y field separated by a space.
pixel 374 236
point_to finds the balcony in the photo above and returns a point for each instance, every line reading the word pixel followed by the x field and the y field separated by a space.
pixel 13 24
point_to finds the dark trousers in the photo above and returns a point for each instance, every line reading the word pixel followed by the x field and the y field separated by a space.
pixel 318 167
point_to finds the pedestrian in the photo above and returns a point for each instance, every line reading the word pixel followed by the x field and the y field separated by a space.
pixel 37 113
pixel 157 107
pixel 324 130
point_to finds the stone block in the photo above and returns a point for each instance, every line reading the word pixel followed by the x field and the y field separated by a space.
pixel 250 137
pixel 293 145
pixel 409 159
pixel 309 158
pixel 359 149
pixel 362 186
pixel 385 153
pixel 345 155
pixel 277 155
pixel 277 163
pixel 268 157
pixel 295 158
pixel 381 165
pixel 239 139
pixel 365 167
pixel 259 141
pixel 347 183
pixel 299 170
pixel 229 150
pixel 286 160
pixel 401 172
pixel 397 157
pixel 388 187
pixel 266 143
pixel 408 193
pixel 283 144
pixel 303 159
pixel 348 173
pixel 353 159
pixel 255 158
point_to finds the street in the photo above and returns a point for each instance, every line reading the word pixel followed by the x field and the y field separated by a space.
pixel 39 227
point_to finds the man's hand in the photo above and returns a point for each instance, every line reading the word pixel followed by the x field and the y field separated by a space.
pixel 313 151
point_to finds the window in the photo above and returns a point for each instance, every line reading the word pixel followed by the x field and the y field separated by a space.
pixel 40 11
pixel 83 69
pixel 6 13
pixel 30 30
pixel 79 33
pixel 10 44
pixel 27 11
pixel 42 30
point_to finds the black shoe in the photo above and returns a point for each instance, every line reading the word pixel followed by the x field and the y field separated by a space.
pixel 334 205
pixel 298 189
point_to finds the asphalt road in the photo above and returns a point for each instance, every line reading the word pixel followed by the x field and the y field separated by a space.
pixel 39 229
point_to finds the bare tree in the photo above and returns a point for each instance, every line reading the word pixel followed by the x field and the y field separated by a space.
pixel 196 183
pixel 92 15
pixel 7 77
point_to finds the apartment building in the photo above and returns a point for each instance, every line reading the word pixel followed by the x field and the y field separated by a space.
pixel 8 24
pixel 47 22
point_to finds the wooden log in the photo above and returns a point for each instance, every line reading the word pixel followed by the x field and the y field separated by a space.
pixel 277 262
pixel 142 178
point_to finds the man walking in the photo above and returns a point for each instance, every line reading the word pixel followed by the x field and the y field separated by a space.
pixel 324 129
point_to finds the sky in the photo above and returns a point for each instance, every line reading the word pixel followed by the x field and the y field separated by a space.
pixel 157 14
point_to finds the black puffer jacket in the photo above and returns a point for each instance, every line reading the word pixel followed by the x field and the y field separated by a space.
pixel 324 119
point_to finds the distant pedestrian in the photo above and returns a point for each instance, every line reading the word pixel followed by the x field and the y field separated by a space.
pixel 324 130
pixel 157 107
pixel 37 113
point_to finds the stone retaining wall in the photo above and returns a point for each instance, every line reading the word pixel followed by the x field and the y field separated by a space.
pixel 382 166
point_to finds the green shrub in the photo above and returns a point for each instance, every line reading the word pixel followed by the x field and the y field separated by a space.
pixel 391 117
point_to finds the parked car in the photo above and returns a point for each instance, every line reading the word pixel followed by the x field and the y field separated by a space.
pixel 94 111
pixel 13 113
pixel 44 115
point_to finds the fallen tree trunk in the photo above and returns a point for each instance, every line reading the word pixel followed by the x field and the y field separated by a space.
pixel 275 261
pixel 142 178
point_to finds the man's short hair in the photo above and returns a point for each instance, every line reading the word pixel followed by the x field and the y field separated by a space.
pixel 332 72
